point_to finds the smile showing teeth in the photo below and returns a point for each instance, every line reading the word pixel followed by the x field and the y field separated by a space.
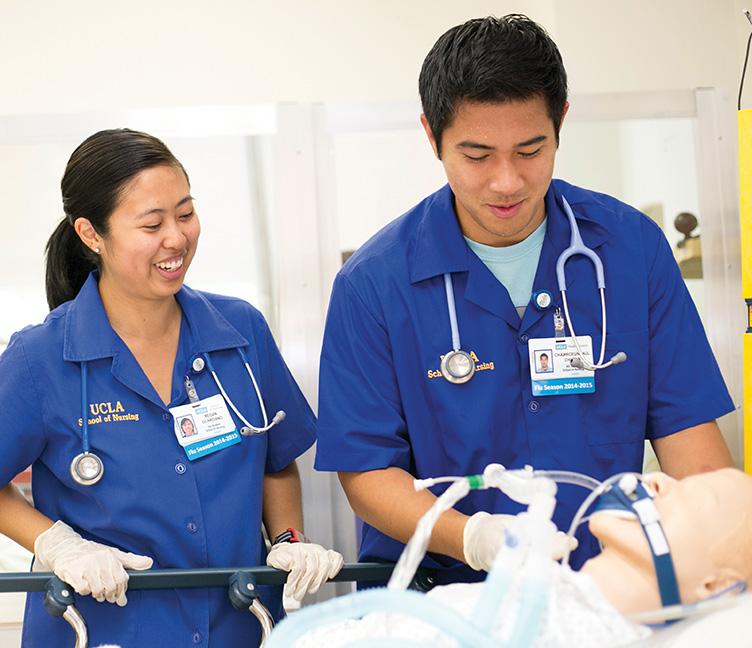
pixel 170 267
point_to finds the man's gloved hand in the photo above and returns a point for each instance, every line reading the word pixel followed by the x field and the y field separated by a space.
pixel 482 538
pixel 88 567
pixel 309 564
pixel 561 543
pixel 484 534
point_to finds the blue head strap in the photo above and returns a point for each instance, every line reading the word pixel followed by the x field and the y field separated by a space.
pixel 640 502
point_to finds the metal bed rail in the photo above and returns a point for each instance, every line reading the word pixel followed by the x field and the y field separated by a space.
pixel 242 583
pixel 198 577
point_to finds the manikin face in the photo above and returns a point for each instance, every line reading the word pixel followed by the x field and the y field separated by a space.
pixel 153 236
pixel 705 517
pixel 499 160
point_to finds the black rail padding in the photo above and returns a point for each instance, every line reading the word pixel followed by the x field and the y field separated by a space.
pixel 243 590
pixel 58 596
pixel 198 577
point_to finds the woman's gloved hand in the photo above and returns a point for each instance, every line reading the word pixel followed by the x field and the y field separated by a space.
pixel 88 567
pixel 484 534
pixel 309 564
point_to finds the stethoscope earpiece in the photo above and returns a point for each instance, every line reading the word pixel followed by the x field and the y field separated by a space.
pixel 248 430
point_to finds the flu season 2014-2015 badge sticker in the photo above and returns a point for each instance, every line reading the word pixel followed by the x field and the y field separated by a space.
pixel 204 427
pixel 551 368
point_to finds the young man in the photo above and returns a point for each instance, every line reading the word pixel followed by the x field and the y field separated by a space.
pixel 429 354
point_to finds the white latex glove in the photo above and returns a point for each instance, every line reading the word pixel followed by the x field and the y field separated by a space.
pixel 482 538
pixel 562 543
pixel 88 567
pixel 309 566
pixel 484 534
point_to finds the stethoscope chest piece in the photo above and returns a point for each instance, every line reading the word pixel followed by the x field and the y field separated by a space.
pixel 86 468
pixel 457 366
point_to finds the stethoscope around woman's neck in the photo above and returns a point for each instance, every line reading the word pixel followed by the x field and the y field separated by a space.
pixel 87 468
pixel 458 366
pixel 248 429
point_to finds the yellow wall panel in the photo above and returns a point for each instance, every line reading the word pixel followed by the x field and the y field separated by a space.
pixel 745 190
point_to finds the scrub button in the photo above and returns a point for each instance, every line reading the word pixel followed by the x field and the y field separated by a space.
pixel 192 528
pixel 196 637
pixel 197 364
pixel 166 416
pixel 180 468
pixel 524 338
pixel 533 406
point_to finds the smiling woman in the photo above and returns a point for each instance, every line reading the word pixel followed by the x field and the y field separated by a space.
pixel 154 225
pixel 126 332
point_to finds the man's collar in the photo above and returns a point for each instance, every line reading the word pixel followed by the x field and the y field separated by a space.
pixel 586 211
pixel 439 246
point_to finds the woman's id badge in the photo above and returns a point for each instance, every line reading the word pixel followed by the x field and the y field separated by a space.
pixel 204 427
pixel 551 368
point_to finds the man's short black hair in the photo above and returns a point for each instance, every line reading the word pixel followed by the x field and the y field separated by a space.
pixel 491 60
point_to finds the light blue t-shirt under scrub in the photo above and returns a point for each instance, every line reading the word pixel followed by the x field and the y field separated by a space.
pixel 514 265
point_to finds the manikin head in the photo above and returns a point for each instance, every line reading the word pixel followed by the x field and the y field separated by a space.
pixel 707 519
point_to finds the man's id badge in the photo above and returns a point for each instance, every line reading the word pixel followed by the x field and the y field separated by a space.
pixel 551 367
pixel 204 427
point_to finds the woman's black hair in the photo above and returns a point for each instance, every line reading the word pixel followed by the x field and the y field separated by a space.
pixel 95 177
pixel 491 60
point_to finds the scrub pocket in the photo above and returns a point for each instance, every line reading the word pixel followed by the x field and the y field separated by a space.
pixel 617 411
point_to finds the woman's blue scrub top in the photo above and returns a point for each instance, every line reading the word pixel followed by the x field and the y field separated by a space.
pixel 151 500
pixel 383 401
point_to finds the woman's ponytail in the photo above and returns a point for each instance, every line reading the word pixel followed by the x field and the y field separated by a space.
pixel 69 263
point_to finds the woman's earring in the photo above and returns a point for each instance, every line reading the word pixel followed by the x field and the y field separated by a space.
pixel 96 250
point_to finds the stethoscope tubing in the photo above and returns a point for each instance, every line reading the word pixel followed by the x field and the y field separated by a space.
pixel 576 247
pixel 244 359
pixel 452 311
pixel 78 471
pixel 85 407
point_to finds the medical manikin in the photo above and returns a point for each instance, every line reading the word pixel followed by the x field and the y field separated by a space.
pixel 616 599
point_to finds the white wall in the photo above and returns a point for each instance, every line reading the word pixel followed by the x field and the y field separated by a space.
pixel 94 55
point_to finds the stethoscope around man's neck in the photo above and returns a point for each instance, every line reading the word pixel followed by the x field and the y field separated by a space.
pixel 458 366
pixel 87 468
